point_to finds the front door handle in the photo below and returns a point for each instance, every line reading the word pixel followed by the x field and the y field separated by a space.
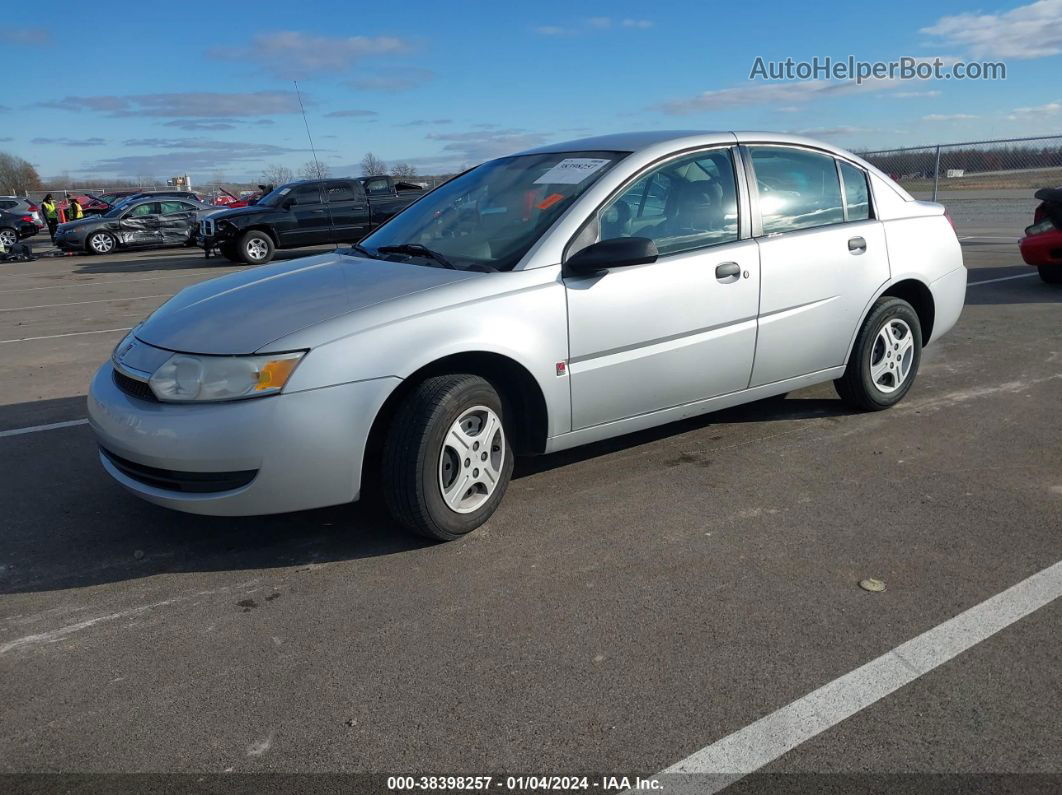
pixel 857 245
pixel 727 269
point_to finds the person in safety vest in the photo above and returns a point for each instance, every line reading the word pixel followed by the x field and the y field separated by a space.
pixel 74 212
pixel 51 215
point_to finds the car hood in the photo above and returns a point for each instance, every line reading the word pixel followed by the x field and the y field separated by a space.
pixel 254 209
pixel 245 311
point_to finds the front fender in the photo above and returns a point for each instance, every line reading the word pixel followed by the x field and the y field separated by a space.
pixel 521 315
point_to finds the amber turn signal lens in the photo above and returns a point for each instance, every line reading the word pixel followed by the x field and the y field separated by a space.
pixel 275 374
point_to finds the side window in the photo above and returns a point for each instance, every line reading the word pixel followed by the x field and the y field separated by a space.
pixel 174 207
pixel 377 187
pixel 6 204
pixel 684 204
pixel 148 208
pixel 307 194
pixel 797 189
pixel 856 193
pixel 339 192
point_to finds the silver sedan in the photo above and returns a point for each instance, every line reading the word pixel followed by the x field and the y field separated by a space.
pixel 540 301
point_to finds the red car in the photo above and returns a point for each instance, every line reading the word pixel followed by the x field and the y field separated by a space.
pixel 1042 244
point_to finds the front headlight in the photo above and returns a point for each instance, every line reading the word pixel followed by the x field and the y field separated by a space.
pixel 186 378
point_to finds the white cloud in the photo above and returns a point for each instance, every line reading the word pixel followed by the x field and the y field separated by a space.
pixel 949 117
pixel 291 54
pixel 784 94
pixel 31 37
pixel 913 94
pixel 593 23
pixel 1029 31
pixel 1050 107
pixel 353 113
pixel 391 80
pixel 831 132
pixel 197 104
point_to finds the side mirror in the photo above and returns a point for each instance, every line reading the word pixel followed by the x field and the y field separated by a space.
pixel 619 252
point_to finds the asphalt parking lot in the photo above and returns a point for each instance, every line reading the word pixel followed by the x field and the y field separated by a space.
pixel 629 605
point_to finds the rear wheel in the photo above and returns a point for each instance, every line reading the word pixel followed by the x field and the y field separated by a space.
pixel 100 243
pixel 8 237
pixel 446 460
pixel 885 358
pixel 256 248
pixel 1052 274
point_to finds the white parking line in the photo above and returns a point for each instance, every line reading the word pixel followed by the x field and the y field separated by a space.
pixel 37 428
pixel 1002 279
pixel 79 303
pixel 69 334
pixel 751 748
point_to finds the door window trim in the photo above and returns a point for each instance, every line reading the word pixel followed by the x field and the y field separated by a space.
pixel 871 215
pixel 740 186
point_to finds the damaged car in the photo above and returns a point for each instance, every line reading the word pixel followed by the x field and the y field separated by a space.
pixel 143 222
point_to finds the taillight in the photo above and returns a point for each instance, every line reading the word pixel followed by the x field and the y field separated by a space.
pixel 28 219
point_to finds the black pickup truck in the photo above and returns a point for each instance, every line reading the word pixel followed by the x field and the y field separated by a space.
pixel 303 213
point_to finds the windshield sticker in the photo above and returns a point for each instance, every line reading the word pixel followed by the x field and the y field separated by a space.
pixel 285 191
pixel 571 171
pixel 550 200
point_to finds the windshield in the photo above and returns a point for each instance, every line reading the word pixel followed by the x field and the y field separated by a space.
pixel 118 208
pixel 275 196
pixel 488 218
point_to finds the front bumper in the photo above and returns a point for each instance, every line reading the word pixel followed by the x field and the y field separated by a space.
pixel 288 452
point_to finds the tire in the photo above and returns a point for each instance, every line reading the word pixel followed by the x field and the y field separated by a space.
pixel 420 461
pixel 8 237
pixel 1052 274
pixel 877 377
pixel 229 252
pixel 255 248
pixel 100 243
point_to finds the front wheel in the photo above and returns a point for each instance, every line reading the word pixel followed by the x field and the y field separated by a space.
pixel 1052 274
pixel 256 248
pixel 446 460
pixel 885 358
pixel 100 243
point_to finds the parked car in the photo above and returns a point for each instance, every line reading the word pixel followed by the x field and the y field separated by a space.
pixel 1042 244
pixel 386 185
pixel 98 205
pixel 20 204
pixel 564 295
pixel 16 225
pixel 136 222
pixel 303 213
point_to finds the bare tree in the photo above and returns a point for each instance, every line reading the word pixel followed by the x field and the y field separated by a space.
pixel 403 170
pixel 17 175
pixel 314 169
pixel 275 174
pixel 372 166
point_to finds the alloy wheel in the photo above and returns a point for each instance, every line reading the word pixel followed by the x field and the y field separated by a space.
pixel 892 355
pixel 101 244
pixel 257 249
pixel 8 238
pixel 471 459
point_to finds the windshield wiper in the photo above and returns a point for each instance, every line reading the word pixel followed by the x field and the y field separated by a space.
pixel 417 250
pixel 360 249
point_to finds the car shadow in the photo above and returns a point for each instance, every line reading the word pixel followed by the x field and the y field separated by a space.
pixel 68 525
pixel 769 410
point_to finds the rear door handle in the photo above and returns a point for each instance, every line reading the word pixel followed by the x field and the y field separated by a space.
pixel 727 269
pixel 857 245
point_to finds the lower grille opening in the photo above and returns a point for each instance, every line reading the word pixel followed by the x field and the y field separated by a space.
pixel 186 482
pixel 133 387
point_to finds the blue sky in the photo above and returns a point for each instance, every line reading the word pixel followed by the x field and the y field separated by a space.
pixel 206 88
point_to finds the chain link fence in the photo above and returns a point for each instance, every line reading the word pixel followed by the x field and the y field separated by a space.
pixel 986 185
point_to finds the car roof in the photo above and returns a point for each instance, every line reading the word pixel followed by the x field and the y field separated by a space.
pixel 655 140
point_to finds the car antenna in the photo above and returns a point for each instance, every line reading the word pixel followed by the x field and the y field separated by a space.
pixel 313 151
